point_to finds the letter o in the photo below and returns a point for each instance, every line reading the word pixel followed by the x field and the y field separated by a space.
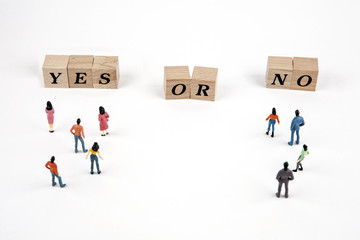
pixel 308 82
pixel 182 91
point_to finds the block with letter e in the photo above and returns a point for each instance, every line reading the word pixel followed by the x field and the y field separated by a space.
pixel 80 71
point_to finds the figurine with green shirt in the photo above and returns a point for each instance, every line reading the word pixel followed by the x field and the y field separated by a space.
pixel 93 158
pixel 304 152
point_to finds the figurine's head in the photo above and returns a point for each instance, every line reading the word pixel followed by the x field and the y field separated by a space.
pixel 297 113
pixel 274 111
pixel 78 121
pixel 101 110
pixel 286 165
pixel 95 147
pixel 48 105
pixel 305 147
pixel 52 159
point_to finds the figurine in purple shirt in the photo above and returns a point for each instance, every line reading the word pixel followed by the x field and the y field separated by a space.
pixel 296 123
pixel 284 176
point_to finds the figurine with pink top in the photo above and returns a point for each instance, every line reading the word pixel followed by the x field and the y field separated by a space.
pixel 103 119
pixel 50 116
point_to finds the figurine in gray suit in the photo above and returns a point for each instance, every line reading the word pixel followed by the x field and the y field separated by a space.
pixel 284 176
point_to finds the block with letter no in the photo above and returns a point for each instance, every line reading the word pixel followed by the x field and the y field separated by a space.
pixel 305 74
pixel 203 83
pixel 55 71
pixel 105 72
pixel 177 82
pixel 80 71
pixel 279 72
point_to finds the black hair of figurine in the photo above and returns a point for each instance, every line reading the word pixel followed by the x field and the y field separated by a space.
pixel 274 111
pixel 102 110
pixel 305 147
pixel 95 147
pixel 52 159
pixel 78 121
pixel 286 165
pixel 49 106
pixel 297 113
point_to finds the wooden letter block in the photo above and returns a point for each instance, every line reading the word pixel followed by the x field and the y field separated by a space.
pixel 105 72
pixel 279 72
pixel 305 74
pixel 177 82
pixel 80 71
pixel 203 83
pixel 55 71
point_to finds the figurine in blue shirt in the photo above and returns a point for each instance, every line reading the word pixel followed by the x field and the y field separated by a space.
pixel 296 123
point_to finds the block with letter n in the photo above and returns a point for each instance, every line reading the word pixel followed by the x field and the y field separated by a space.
pixel 279 72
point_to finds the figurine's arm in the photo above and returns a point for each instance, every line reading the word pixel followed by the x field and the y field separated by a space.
pixel 268 117
pixel 82 132
pixel 100 156
pixel 302 122
pixel 47 166
pixel 277 118
pixel 291 177
pixel 87 155
pixel 71 130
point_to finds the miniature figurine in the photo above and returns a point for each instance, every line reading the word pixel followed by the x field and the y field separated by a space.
pixel 296 123
pixel 304 152
pixel 284 176
pixel 53 169
pixel 50 115
pixel 94 150
pixel 77 130
pixel 103 119
pixel 272 117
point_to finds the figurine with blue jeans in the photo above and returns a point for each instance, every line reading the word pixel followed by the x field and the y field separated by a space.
pixel 296 123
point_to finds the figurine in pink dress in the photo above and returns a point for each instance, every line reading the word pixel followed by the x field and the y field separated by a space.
pixel 50 115
pixel 103 119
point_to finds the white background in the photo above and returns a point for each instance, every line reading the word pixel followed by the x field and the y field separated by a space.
pixel 181 169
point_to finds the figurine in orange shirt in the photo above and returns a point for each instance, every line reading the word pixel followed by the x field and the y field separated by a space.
pixel 78 131
pixel 272 118
pixel 53 169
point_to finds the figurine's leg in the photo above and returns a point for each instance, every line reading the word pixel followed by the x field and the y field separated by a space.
pixel 279 188
pixel 60 181
pixel 83 144
pixel 92 163
pixel 301 168
pixel 269 124
pixel 53 179
pixel 297 137
pixel 286 189
pixel 292 138
pixel 97 164
pixel 76 143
